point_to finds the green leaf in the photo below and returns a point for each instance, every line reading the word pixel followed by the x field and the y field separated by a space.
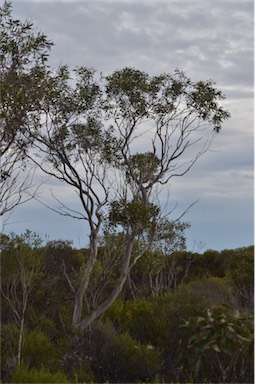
pixel 244 338
pixel 216 348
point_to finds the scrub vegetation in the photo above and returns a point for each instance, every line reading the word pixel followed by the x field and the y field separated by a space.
pixel 181 317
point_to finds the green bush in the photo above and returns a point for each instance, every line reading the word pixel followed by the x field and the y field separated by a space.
pixel 73 362
pixel 25 375
pixel 156 322
pixel 143 322
pixel 117 357
pixel 39 351
pixel 127 360
pixel 219 347
pixel 9 349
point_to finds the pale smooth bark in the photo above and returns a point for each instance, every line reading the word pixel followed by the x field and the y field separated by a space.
pixel 79 296
pixel 94 314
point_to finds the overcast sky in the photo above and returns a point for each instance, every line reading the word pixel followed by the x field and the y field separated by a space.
pixel 206 39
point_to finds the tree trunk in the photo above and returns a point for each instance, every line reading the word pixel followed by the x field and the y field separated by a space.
pixel 115 292
pixel 22 321
pixel 79 296
pixel 21 330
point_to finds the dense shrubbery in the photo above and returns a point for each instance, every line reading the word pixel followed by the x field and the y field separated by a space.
pixel 197 329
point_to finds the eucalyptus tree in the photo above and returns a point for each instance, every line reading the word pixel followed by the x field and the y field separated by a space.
pixel 23 65
pixel 115 141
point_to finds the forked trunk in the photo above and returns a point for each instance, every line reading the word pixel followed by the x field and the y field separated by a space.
pixel 115 292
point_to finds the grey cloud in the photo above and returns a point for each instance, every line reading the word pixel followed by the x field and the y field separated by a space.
pixel 102 34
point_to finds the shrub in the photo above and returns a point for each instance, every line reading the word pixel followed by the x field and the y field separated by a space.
pixel 116 312
pixel 128 360
pixel 39 351
pixel 117 357
pixel 219 347
pixel 156 322
pixel 73 362
pixel 9 350
pixel 25 375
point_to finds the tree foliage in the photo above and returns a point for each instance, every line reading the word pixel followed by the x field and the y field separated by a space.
pixel 23 69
